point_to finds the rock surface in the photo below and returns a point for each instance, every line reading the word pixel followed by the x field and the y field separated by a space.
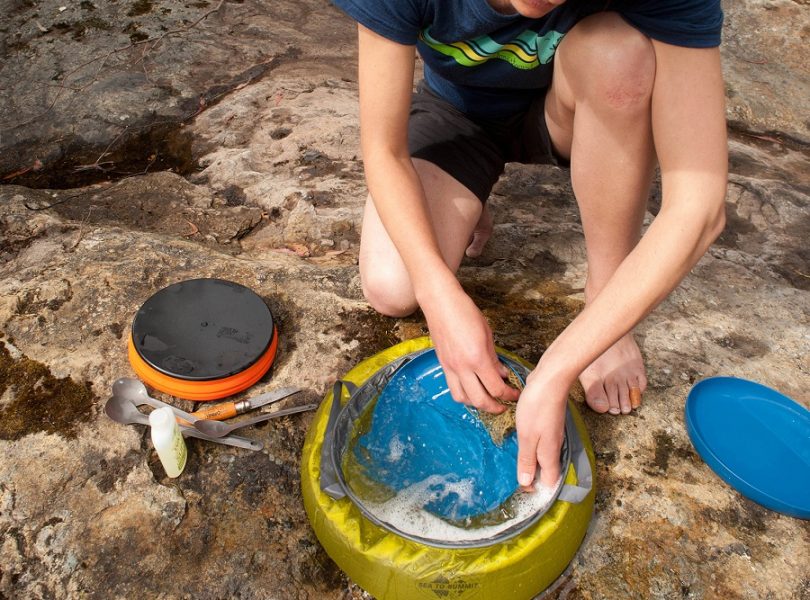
pixel 146 142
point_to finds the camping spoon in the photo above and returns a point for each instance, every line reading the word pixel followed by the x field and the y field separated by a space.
pixel 134 391
pixel 218 428
pixel 124 411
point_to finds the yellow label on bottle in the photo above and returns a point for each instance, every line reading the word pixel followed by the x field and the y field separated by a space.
pixel 179 450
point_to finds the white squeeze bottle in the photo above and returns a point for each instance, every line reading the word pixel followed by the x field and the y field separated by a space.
pixel 168 441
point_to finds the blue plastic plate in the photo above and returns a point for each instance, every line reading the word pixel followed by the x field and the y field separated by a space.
pixel 756 439
pixel 418 433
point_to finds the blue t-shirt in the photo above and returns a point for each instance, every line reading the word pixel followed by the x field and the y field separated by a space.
pixel 489 64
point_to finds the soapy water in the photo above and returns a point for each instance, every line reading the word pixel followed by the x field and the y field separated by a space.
pixel 415 433
pixel 405 511
pixel 427 466
pixel 397 448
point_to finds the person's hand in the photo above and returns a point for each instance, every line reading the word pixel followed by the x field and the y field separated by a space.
pixel 540 427
pixel 465 349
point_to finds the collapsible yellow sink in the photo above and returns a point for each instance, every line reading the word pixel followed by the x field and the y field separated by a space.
pixel 395 565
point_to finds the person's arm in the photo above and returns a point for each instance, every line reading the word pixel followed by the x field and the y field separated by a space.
pixel 689 132
pixel 460 333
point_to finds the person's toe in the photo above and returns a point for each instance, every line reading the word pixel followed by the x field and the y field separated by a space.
pixel 635 397
pixel 596 397
pixel 599 404
pixel 624 399
pixel 613 398
pixel 637 389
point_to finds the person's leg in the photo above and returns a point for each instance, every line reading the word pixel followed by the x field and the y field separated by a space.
pixel 598 113
pixel 454 211
pixel 458 160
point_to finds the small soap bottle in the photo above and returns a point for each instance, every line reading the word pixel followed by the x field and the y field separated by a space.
pixel 168 441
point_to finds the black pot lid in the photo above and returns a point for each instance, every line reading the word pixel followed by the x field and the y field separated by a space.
pixel 202 329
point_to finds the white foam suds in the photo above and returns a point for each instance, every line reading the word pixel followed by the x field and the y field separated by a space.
pixel 404 511
pixel 396 448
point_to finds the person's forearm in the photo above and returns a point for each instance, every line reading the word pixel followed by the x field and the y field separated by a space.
pixel 677 238
pixel 386 83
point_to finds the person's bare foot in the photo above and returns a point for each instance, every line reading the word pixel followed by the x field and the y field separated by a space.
pixel 614 381
pixel 481 234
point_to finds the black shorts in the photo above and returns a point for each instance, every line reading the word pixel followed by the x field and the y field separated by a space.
pixel 474 151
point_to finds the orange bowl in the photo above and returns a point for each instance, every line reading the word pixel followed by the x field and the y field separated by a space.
pixel 202 339
pixel 213 389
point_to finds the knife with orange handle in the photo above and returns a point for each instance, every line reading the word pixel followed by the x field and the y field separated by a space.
pixel 226 410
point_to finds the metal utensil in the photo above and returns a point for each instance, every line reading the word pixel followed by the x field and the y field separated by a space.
pixel 134 391
pixel 226 410
pixel 218 428
pixel 123 410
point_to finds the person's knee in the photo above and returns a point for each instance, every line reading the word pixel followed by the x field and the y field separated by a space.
pixel 613 62
pixel 388 293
